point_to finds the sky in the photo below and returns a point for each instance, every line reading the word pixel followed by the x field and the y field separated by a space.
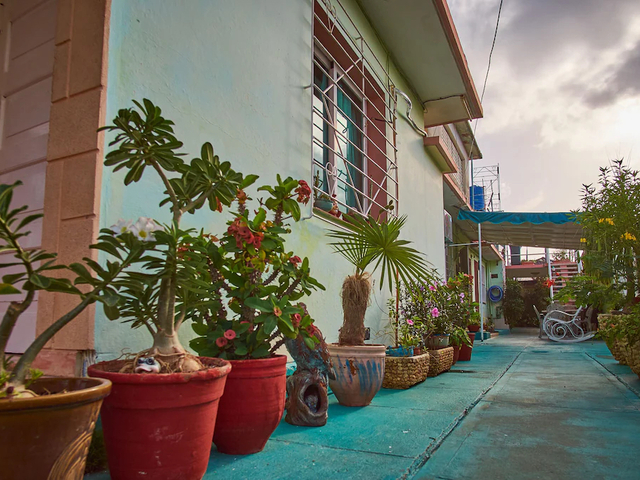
pixel 563 93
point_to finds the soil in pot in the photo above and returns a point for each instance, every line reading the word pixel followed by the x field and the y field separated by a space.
pixel 160 426
pixel 465 351
pixel 359 372
pixel 252 405
pixel 49 436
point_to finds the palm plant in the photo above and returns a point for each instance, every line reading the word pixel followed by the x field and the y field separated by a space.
pixel 371 243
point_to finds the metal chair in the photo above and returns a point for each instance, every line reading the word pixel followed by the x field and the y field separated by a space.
pixel 564 327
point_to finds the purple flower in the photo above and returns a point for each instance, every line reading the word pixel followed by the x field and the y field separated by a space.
pixel 461 296
pixel 435 313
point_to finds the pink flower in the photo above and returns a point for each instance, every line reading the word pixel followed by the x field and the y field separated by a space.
pixel 409 321
pixel 295 260
pixel 432 288
pixel 221 341
pixel 295 320
pixel 435 313
pixel 229 334
pixel 461 295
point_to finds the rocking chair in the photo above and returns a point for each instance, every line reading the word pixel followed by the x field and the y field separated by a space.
pixel 564 327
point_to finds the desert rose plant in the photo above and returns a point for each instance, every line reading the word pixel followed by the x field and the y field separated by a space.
pixel 171 286
pixel 92 283
pixel 258 283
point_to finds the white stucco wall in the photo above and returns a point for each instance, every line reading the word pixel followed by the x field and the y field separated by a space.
pixel 236 73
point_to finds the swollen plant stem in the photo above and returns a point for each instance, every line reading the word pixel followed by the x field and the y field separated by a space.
pixel 19 373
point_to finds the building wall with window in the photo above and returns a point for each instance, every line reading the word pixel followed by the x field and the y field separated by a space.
pixel 240 74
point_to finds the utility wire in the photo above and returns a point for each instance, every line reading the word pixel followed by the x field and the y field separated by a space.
pixel 484 85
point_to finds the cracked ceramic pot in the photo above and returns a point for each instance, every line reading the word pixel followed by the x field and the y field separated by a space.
pixel 48 436
pixel 359 371
pixel 160 426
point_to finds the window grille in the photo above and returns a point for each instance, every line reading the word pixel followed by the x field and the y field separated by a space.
pixel 354 118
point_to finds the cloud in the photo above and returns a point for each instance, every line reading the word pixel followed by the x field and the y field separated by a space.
pixel 623 82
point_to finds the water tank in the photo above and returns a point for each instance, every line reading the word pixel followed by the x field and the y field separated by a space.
pixel 476 193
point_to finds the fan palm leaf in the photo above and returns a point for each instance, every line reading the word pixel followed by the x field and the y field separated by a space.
pixel 369 242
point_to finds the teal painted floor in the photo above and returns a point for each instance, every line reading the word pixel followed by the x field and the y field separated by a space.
pixel 523 408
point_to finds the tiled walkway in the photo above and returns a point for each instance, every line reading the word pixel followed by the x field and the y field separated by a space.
pixel 521 409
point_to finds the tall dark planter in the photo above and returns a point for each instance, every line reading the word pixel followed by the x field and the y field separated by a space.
pixel 160 426
pixel 49 436
pixel 252 405
pixel 465 351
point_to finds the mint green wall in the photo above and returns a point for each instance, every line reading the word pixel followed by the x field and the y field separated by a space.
pixel 236 73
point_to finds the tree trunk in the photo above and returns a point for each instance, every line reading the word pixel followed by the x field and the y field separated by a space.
pixel 356 291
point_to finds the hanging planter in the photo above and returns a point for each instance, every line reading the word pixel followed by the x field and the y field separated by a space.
pixel 160 426
pixel 252 405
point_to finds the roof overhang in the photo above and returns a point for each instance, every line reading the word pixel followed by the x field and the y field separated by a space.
pixel 424 44
pixel 441 154
pixel 533 270
pixel 547 230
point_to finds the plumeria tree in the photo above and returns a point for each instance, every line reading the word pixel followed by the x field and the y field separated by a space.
pixel 258 283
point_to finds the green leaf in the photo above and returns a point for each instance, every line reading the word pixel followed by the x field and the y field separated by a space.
pixel 112 312
pixel 13 277
pixel 8 289
pixel 200 329
pixel 311 345
pixel 260 352
pixel 241 350
pixel 248 181
pixel 40 281
pixel 259 304
pixel 270 324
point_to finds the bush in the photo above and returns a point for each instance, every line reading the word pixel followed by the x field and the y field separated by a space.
pixel 513 303
pixel 538 295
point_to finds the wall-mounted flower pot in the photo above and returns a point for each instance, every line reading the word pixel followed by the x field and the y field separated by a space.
pixel 160 426
pixel 400 351
pixel 359 371
pixel 435 342
pixel 49 436
pixel 252 405
pixel 465 352
pixel 323 204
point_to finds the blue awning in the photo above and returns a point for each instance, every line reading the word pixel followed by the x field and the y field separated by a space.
pixel 531 229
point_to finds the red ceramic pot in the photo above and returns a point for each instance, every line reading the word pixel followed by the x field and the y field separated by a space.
pixel 160 426
pixel 465 351
pixel 456 353
pixel 252 405
pixel 473 328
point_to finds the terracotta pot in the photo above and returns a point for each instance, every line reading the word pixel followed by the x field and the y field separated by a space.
pixel 473 328
pixel 465 351
pixel 160 426
pixel 252 405
pixel 359 371
pixel 456 353
pixel 49 436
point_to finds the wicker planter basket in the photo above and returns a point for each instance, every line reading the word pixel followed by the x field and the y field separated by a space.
pixel 440 361
pixel 617 348
pixel 405 372
pixel 633 356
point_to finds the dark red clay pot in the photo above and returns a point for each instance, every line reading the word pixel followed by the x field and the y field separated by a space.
pixel 465 351
pixel 473 328
pixel 456 353
pixel 252 405
pixel 160 426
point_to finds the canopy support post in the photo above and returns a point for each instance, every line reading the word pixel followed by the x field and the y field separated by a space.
pixel 548 258
pixel 481 284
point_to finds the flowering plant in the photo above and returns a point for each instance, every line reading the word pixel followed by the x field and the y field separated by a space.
pixel 454 300
pixel 260 280
pixel 405 329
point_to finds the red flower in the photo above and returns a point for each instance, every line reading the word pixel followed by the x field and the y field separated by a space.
pixel 257 239
pixel 276 311
pixel 241 196
pixel 295 261
pixel 295 320
pixel 311 329
pixel 218 205
pixel 303 191
pixel 221 341
pixel 250 326
pixel 229 334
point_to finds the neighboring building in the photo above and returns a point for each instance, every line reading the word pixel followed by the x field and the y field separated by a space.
pixel 297 87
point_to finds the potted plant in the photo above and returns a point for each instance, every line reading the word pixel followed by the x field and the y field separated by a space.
pixel 147 412
pixel 359 368
pixel 457 339
pixel 474 325
pixel 46 423
pixel 258 286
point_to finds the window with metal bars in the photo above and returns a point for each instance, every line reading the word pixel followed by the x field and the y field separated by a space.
pixel 354 151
